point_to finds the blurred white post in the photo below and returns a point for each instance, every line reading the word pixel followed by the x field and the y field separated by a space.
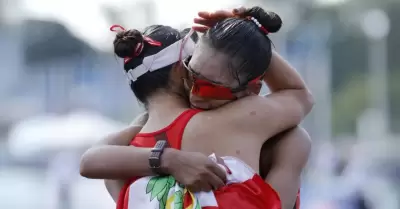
pixel 376 26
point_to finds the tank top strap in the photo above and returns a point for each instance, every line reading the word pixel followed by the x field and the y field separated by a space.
pixel 175 132
pixel 182 120
pixel 172 133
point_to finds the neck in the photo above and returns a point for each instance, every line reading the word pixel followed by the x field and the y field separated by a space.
pixel 166 103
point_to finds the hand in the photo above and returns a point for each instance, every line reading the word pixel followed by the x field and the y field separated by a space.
pixel 209 19
pixel 141 119
pixel 194 170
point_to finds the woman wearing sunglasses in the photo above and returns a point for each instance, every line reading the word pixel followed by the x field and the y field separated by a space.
pixel 222 69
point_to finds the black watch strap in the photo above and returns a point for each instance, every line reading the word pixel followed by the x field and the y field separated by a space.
pixel 155 156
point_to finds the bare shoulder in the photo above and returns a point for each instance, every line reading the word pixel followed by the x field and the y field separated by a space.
pixel 209 124
pixel 239 110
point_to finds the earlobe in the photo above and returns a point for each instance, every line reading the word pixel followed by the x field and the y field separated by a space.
pixel 186 84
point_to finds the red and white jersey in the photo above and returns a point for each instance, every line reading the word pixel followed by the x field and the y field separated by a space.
pixel 245 189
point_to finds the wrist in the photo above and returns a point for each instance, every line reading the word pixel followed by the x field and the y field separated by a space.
pixel 167 160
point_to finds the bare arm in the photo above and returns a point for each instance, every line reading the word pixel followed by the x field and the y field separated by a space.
pixel 290 155
pixel 281 76
pixel 122 138
pixel 123 162
pixel 287 105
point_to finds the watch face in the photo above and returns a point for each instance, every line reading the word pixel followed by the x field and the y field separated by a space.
pixel 154 155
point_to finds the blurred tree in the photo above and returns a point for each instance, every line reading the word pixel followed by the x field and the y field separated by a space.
pixel 349 61
pixel 348 103
pixel 352 99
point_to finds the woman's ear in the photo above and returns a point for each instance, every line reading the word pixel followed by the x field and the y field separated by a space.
pixel 179 71
pixel 255 88
pixel 178 75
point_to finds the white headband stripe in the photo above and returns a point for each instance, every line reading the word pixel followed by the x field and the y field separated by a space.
pixel 165 57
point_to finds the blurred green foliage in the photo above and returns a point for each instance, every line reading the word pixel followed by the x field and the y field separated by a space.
pixel 352 98
pixel 349 57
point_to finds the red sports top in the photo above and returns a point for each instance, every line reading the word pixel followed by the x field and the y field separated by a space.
pixel 173 133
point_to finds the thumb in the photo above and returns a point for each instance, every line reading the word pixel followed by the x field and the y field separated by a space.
pixel 201 29
pixel 221 14
pixel 204 14
pixel 221 162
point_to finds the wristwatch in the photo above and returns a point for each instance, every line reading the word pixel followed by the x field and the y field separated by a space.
pixel 155 156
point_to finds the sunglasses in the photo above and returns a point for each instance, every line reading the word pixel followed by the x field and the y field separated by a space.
pixel 206 88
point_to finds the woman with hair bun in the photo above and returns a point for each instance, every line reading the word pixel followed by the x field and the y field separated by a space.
pixel 229 62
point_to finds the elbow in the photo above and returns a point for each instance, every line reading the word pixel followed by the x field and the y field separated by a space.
pixel 86 168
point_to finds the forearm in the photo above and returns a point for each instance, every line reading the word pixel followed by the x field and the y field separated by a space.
pixel 288 88
pixel 282 76
pixel 124 137
pixel 291 152
pixel 119 162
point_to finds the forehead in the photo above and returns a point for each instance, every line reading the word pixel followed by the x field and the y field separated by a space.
pixel 211 64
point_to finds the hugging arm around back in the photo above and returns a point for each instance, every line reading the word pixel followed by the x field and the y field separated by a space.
pixel 118 162
pixel 93 160
pixel 282 161
pixel 285 107
pixel 91 163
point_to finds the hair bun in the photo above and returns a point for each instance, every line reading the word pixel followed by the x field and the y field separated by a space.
pixel 270 20
pixel 126 42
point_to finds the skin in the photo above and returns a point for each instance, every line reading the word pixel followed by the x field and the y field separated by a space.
pixel 285 107
pixel 98 158
pixel 282 160
pixel 283 156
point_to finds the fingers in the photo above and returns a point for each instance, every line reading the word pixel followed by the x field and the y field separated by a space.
pixel 200 29
pixel 217 170
pixel 204 14
pixel 215 181
pixel 208 19
pixel 218 14
pixel 205 22
pixel 220 161
pixel 200 187
pixel 221 14
pixel 209 181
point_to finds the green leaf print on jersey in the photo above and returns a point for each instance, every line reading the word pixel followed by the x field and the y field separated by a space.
pixel 178 199
pixel 159 187
pixel 197 204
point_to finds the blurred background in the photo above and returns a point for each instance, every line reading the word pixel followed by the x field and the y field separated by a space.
pixel 62 89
